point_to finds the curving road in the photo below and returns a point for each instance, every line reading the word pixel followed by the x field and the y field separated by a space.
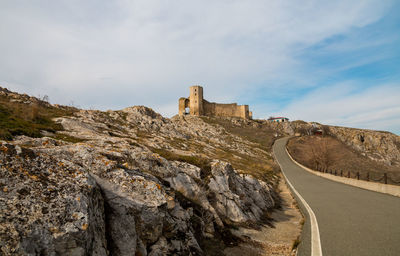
pixel 351 221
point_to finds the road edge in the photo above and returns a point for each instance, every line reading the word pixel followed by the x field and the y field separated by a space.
pixel 316 249
pixel 372 186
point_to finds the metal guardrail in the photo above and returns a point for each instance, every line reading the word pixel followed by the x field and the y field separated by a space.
pixel 364 176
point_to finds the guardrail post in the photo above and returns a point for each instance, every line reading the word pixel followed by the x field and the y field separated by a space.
pixel 335 172
pixel 367 176
pixel 385 177
pixel 341 173
pixel 348 174
pixel 358 175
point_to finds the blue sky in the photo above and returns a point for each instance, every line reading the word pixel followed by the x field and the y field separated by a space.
pixel 334 62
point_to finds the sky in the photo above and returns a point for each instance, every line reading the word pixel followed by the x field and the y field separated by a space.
pixel 332 62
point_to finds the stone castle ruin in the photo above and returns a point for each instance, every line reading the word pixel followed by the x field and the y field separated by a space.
pixel 195 105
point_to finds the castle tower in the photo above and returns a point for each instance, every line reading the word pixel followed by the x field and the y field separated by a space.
pixel 196 100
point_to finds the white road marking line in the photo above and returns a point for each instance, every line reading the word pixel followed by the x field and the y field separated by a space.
pixel 316 249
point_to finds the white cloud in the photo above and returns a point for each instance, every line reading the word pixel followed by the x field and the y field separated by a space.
pixel 112 54
pixel 347 104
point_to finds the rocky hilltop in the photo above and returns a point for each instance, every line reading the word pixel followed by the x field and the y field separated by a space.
pixel 130 182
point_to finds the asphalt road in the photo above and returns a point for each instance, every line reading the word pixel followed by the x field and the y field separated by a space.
pixel 351 220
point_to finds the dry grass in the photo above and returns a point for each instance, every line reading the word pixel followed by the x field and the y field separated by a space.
pixel 255 131
pixel 329 153
pixel 18 118
pixel 262 167
pixel 202 163
pixel 68 138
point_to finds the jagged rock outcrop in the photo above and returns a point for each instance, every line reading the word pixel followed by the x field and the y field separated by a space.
pixel 377 145
pixel 112 195
pixel 238 197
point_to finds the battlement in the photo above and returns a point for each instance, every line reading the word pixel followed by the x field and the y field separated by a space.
pixel 196 105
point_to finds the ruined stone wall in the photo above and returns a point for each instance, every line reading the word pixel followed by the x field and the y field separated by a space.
pixel 198 106
pixel 227 110
pixel 183 104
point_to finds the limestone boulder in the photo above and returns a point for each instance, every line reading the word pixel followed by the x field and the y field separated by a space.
pixel 238 198
pixel 48 208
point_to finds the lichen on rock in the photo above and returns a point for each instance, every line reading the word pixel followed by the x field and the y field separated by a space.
pixel 112 193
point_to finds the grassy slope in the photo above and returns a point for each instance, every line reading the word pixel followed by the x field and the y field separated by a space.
pixel 255 132
pixel 19 118
pixel 263 167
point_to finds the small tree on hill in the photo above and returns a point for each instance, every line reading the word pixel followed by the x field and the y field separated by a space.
pixel 321 154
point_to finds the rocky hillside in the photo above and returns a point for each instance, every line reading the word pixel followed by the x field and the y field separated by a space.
pixel 379 146
pixel 129 182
